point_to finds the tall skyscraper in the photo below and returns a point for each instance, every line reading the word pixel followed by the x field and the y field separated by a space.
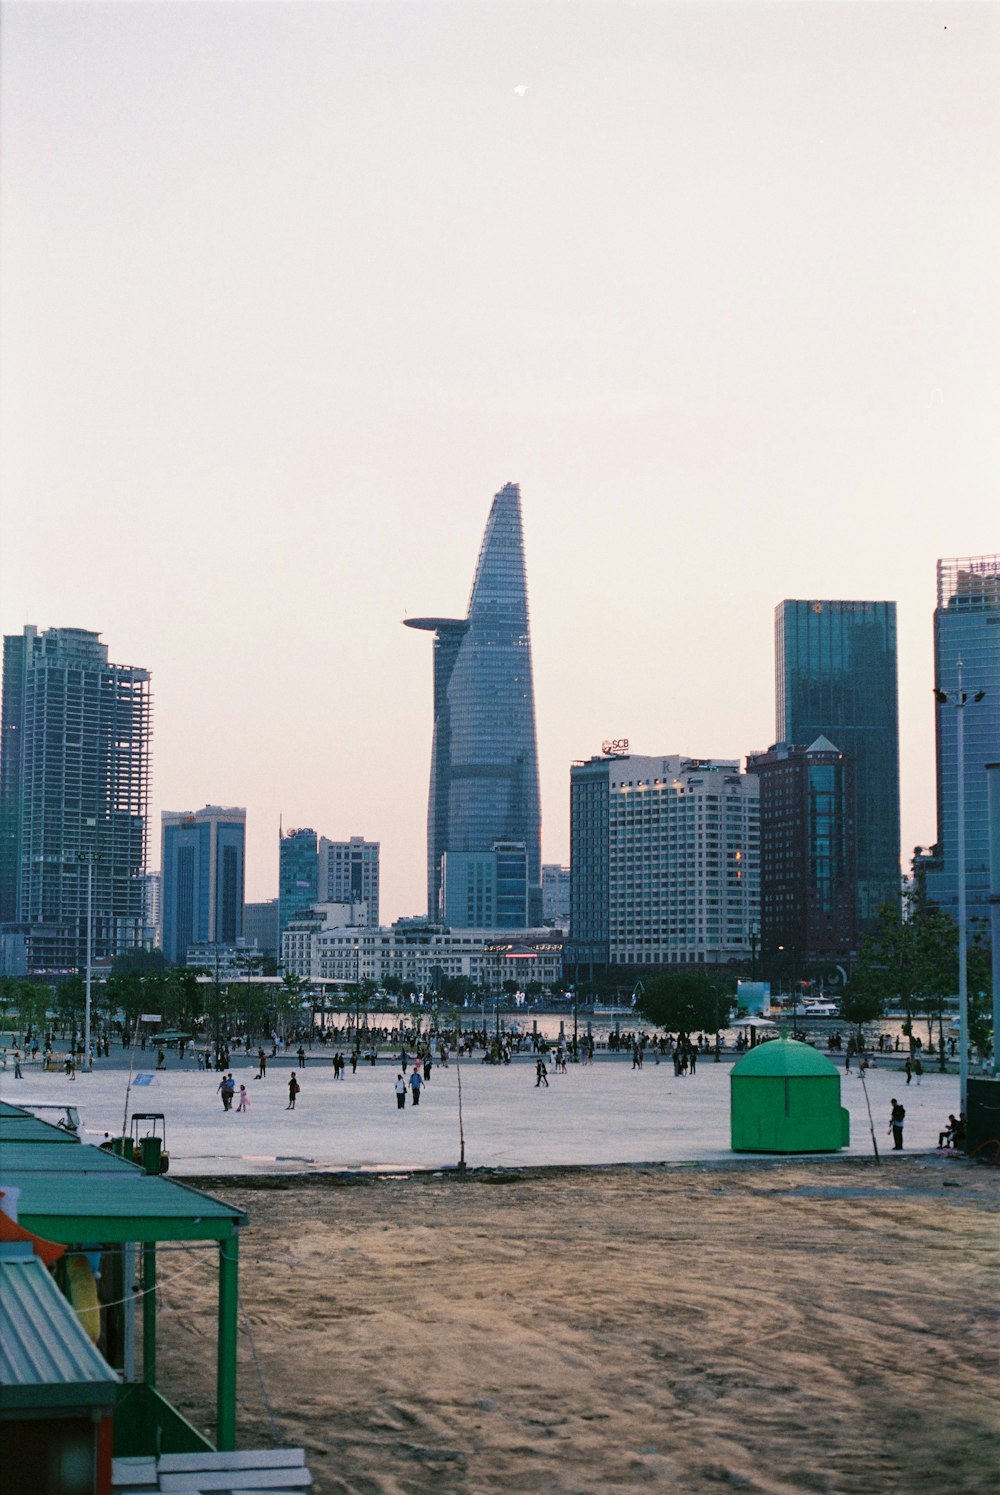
pixel 664 862
pixel 74 799
pixel 484 760
pixel 966 628
pixel 808 887
pixel 202 879
pixel 298 875
pixel 348 873
pixel 836 678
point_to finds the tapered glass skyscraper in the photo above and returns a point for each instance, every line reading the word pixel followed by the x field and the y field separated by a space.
pixel 836 678
pixel 484 763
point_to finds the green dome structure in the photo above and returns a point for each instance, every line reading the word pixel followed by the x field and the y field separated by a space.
pixel 785 1097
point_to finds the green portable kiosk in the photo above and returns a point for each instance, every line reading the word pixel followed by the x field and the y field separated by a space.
pixel 785 1097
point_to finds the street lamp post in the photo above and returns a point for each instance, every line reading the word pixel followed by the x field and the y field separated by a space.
pixel 959 698
pixel 89 857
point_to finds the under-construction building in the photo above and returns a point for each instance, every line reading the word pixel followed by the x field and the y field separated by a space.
pixel 74 792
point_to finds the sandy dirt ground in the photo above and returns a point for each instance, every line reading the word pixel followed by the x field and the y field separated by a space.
pixel 775 1327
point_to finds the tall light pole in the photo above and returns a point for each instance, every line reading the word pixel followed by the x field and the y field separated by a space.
pixel 960 698
pixel 90 857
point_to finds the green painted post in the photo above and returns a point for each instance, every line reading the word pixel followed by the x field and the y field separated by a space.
pixel 225 1386
pixel 149 1314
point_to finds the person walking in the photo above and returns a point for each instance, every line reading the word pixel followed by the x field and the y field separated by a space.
pixel 416 1081
pixel 908 1069
pixel 400 1088
pixel 17 1065
pixel 896 1119
pixel 293 1089
pixel 541 1074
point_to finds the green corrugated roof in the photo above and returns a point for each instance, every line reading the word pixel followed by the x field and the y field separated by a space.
pixel 45 1357
pixel 18 1126
pixel 25 1156
pixel 87 1208
pixel 81 1195
pixel 782 1056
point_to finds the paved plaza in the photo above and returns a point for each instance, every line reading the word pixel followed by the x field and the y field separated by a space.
pixel 602 1113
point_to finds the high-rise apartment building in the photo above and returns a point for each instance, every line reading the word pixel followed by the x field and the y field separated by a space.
pixel 966 637
pixel 836 678
pixel 260 927
pixel 484 761
pixel 298 875
pixel 201 879
pixel 664 862
pixel 349 873
pixel 74 799
pixel 555 896
pixel 808 887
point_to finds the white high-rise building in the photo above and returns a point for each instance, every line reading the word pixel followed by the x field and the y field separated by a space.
pixel 348 873
pixel 665 861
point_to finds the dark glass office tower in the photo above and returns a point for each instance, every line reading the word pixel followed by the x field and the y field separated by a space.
pixel 835 667
pixel 966 628
pixel 484 762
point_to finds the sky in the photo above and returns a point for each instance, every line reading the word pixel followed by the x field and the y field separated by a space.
pixel 289 291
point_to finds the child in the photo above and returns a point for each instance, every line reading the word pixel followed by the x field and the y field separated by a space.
pixel 244 1099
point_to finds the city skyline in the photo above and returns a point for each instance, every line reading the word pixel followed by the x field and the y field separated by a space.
pixel 286 289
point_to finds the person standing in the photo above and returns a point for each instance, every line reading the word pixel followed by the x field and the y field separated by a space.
pixel 896 1119
pixel 244 1099
pixel 293 1089
pixel 17 1065
pixel 302 1057
pixel 918 1069
pixel 416 1081
pixel 261 1064
pixel 400 1088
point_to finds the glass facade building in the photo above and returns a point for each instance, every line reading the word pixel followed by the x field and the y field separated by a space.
pixel 966 629
pixel 484 759
pixel 201 879
pixel 808 892
pixel 298 875
pixel 74 796
pixel 836 678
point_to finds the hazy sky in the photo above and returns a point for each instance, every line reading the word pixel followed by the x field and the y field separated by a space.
pixel 290 290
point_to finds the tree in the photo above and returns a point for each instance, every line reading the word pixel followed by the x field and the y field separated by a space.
pixel 682 1001
pixel 861 1004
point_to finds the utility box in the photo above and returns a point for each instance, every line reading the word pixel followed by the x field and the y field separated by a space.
pixel 785 1097
pixel 982 1130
